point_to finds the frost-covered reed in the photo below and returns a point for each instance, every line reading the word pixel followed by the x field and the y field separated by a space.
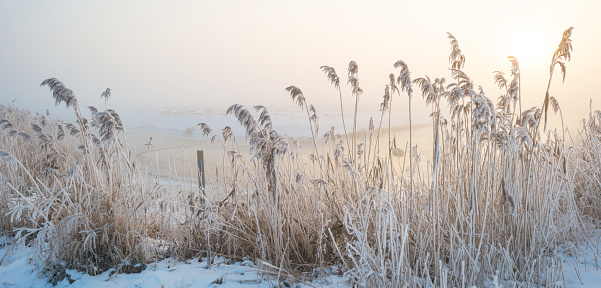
pixel 497 203
pixel 494 203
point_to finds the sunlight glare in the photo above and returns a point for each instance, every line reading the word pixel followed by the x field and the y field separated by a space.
pixel 527 46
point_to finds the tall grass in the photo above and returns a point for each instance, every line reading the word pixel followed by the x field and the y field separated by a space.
pixel 495 206
pixel 495 203
pixel 76 193
pixel 81 201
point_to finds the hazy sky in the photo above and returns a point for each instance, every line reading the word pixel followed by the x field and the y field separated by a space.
pixel 217 53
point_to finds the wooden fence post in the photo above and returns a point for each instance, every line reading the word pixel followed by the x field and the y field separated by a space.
pixel 201 171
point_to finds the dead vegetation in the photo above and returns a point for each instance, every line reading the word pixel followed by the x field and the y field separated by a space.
pixel 495 206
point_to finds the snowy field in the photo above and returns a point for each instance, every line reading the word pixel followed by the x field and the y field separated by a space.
pixel 16 270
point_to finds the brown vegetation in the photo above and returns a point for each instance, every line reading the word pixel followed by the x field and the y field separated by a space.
pixel 496 205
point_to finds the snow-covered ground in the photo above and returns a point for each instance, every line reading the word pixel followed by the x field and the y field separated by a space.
pixel 584 269
pixel 16 270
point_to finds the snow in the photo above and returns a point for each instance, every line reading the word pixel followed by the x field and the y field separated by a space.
pixel 584 263
pixel 17 271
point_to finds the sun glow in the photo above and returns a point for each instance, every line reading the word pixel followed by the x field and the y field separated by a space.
pixel 527 46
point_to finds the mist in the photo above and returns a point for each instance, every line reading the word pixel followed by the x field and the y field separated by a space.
pixel 200 54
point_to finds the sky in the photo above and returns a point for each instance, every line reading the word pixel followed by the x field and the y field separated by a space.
pixel 216 53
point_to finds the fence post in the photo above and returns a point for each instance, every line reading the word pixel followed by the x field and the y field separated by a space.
pixel 201 171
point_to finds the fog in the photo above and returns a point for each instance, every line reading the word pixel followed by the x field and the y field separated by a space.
pixel 211 54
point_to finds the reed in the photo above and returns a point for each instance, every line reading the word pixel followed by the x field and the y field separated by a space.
pixel 493 207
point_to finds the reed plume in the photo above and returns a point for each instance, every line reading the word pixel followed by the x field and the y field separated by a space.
pixel 353 80
pixel 404 81
pixel 60 93
pixel 299 98
pixel 335 80
pixel 106 95
pixel 562 54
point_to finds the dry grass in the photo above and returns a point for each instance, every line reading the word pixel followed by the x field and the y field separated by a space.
pixel 75 192
pixel 495 206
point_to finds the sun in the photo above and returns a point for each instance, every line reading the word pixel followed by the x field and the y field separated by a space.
pixel 527 45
